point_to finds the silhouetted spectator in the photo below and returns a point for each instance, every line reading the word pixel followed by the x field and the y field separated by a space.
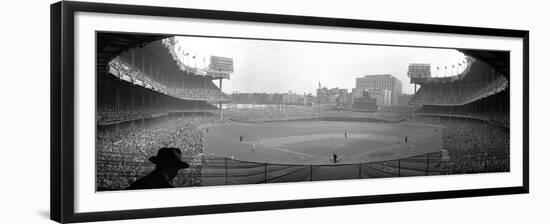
pixel 168 162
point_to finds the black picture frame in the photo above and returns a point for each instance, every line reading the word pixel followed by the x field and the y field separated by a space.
pixel 63 101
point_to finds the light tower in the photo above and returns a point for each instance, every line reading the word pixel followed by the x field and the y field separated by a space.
pixel 220 68
pixel 416 72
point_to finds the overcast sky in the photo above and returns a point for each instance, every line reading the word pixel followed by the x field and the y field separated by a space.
pixel 281 66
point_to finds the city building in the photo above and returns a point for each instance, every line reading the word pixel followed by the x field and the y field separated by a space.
pixel 383 97
pixel 292 98
pixel 332 96
pixel 364 103
pixel 379 83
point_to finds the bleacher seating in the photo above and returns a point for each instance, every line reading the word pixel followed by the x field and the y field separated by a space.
pixel 205 90
pixel 122 153
pixel 457 94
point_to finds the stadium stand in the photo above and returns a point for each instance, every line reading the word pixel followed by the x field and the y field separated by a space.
pixel 482 93
pixel 122 154
pixel 474 108
pixel 270 113
pixel 146 101
pixel 480 82
pixel 194 88
pixel 474 147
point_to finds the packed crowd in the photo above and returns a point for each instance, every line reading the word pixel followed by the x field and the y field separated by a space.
pixel 270 113
pixel 107 114
pixel 206 91
pixel 465 111
pixel 293 112
pixel 474 147
pixel 124 68
pixel 209 91
pixel 449 94
pixel 122 155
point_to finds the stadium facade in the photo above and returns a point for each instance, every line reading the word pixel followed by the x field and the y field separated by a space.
pixel 151 81
pixel 480 92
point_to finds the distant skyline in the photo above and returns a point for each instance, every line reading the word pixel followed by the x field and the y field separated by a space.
pixel 283 66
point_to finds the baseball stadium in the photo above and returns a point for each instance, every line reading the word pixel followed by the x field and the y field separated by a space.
pixel 150 96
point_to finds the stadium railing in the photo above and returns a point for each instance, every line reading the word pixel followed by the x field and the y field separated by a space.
pixel 227 171
pixel 117 171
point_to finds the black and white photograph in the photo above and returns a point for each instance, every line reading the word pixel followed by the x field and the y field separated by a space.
pixel 249 112
pixel 181 111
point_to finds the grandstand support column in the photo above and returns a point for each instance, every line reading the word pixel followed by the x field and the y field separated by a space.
pixel 143 106
pixel 413 112
pixel 220 104
pixel 150 100
pixel 117 99
pixel 117 104
pixel 413 103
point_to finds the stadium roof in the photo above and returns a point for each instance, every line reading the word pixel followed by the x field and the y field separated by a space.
pixel 500 60
pixel 109 45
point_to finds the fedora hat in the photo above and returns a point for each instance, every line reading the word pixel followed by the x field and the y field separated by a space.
pixel 169 155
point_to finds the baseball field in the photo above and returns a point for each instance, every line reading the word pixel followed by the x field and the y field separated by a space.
pixel 312 142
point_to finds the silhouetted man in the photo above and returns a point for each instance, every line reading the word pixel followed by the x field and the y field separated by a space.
pixel 168 162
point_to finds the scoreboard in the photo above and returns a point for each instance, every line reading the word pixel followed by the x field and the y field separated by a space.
pixel 221 64
pixel 419 71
